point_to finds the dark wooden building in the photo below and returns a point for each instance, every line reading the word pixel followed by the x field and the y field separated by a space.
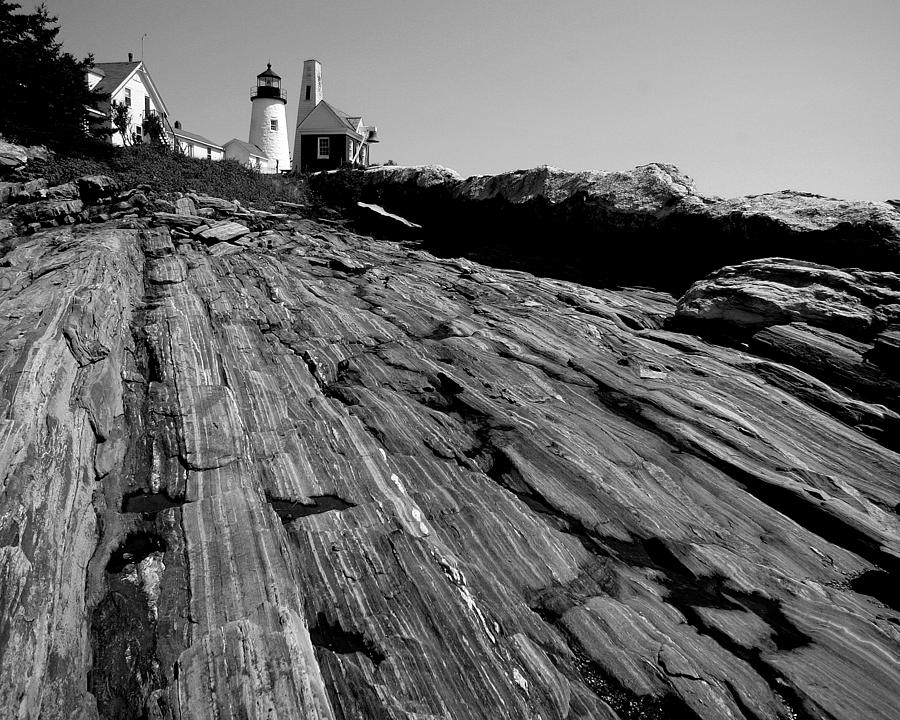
pixel 330 138
pixel 327 138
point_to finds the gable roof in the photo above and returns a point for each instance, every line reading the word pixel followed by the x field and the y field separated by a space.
pixel 348 121
pixel 325 116
pixel 252 149
pixel 116 74
pixel 113 75
pixel 195 137
pixel 356 123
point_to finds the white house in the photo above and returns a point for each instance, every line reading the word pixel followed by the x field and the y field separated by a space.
pixel 247 154
pixel 130 84
pixel 194 145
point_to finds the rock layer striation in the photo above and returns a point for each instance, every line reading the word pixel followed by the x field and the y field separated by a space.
pixel 299 472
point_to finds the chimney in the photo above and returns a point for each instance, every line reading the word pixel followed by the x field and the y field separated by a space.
pixel 130 57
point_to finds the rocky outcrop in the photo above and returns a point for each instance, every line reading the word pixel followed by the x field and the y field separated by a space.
pixel 647 226
pixel 776 291
pixel 14 157
pixel 839 326
pixel 300 472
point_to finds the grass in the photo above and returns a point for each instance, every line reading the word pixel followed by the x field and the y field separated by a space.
pixel 169 172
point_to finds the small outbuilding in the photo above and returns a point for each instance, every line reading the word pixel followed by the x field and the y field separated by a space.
pixel 252 156
pixel 194 145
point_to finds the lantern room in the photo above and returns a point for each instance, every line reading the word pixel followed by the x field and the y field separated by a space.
pixel 268 85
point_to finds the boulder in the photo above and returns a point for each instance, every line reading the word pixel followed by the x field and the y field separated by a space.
pixel 217 204
pixel 31 191
pixel 66 191
pixel 775 291
pixel 824 322
pixel 223 231
pixel 161 205
pixel 12 156
pixel 185 206
pixel 96 187
pixel 178 219
pixel 49 210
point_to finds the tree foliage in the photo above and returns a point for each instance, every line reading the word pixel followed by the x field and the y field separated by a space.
pixel 121 120
pixel 153 128
pixel 43 89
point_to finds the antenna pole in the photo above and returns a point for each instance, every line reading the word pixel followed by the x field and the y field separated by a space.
pixel 142 46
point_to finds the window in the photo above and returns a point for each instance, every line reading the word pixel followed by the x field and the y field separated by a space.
pixel 127 97
pixel 273 124
pixel 146 106
pixel 324 147
pixel 308 89
pixel 209 153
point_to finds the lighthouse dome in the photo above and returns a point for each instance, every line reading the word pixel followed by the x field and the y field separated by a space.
pixel 269 73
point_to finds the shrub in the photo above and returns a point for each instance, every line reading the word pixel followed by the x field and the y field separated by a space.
pixel 168 171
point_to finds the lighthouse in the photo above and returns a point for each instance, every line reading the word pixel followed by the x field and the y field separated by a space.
pixel 268 124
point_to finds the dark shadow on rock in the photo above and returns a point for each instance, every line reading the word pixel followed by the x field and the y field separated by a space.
pixel 881 585
pixel 149 503
pixel 331 636
pixel 289 510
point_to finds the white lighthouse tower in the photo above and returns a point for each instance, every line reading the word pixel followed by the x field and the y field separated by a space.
pixel 268 124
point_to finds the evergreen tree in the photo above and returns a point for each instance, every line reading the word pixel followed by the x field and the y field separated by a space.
pixel 43 89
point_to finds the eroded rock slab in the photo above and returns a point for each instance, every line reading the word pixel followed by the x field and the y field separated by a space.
pixel 508 496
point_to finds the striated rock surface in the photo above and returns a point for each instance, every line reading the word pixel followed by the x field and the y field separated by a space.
pixel 839 326
pixel 649 225
pixel 304 473
pixel 775 291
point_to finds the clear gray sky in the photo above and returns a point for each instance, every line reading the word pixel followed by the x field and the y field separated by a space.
pixel 745 96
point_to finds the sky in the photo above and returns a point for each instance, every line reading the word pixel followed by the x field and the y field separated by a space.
pixel 744 97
